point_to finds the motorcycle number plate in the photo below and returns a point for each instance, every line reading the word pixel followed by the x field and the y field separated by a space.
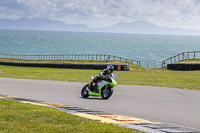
pixel 102 83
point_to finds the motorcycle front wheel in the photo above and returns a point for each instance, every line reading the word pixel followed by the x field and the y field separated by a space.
pixel 84 92
pixel 106 92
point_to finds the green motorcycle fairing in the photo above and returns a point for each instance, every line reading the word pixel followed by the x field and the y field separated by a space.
pixel 101 85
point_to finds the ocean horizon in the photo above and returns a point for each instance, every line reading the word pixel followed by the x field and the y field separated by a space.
pixel 144 48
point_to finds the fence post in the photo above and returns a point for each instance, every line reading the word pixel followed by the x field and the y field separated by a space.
pixel 178 57
pixel 163 63
pixel 174 58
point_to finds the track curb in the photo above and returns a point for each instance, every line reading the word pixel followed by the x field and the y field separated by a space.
pixel 104 117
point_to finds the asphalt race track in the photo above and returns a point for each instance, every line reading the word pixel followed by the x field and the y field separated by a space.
pixel 169 105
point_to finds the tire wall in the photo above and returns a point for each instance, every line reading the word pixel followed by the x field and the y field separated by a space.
pixel 121 67
pixel 183 67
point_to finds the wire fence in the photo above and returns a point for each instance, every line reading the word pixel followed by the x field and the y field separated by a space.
pixel 180 57
pixel 101 57
pixel 69 57
pixel 151 65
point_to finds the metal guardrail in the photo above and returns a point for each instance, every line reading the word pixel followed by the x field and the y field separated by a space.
pixel 181 56
pixel 74 57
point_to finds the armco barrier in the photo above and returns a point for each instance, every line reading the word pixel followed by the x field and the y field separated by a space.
pixel 183 67
pixel 123 67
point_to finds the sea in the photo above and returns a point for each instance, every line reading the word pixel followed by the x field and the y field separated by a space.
pixel 144 48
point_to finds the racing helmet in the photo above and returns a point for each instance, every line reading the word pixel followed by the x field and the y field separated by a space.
pixel 110 68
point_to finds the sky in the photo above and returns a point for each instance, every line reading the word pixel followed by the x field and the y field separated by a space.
pixel 101 13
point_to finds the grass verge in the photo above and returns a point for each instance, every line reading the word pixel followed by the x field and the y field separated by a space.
pixel 189 61
pixel 136 75
pixel 20 117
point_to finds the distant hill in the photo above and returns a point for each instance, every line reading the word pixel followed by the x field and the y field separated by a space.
pixel 144 27
pixel 137 27
pixel 41 24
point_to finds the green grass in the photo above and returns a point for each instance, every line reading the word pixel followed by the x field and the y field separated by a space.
pixel 25 118
pixel 137 76
pixel 18 117
pixel 162 78
pixel 189 61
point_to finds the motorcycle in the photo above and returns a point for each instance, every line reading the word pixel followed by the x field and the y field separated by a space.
pixel 103 88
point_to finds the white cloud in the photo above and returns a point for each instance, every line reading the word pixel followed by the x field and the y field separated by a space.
pixel 172 13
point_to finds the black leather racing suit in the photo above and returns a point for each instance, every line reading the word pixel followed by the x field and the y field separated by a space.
pixel 104 75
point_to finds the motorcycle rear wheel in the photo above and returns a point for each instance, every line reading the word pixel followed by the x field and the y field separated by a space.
pixel 84 92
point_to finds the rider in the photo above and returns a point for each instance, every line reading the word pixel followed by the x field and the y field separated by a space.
pixel 102 75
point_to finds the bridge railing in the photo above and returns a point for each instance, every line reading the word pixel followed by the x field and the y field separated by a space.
pixel 69 57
